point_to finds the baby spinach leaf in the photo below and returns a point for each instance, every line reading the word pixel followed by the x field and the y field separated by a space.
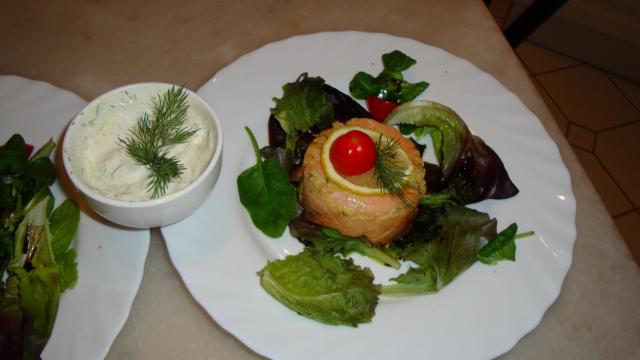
pixel 363 85
pixel 13 155
pixel 68 267
pixel 389 84
pixel 63 226
pixel 266 193
pixel 303 105
pixel 331 241
pixel 408 91
pixel 38 174
pixel 502 247
pixel 397 61
pixel 323 287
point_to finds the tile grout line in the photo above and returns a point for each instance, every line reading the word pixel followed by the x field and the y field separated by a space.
pixel 530 74
pixel 568 67
pixel 566 132
pixel 615 181
pixel 571 123
pixel 624 94
pixel 580 147
pixel 504 24
pixel 615 127
pixel 624 213
pixel 595 136
pixel 580 61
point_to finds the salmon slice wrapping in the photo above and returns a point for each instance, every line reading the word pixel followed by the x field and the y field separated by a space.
pixel 380 218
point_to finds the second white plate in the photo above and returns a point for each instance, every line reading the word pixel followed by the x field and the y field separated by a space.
pixel 110 259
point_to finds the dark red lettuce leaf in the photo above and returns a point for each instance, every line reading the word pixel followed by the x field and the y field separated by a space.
pixel 479 162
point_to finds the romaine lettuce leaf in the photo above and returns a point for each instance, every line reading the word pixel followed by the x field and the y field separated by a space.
pixel 323 287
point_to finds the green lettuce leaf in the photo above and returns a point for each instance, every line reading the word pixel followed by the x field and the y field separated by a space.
pixel 443 243
pixel 333 242
pixel 323 287
pixel 303 105
pixel 36 278
pixel 39 299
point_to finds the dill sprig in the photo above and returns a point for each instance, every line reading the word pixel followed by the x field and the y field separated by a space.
pixel 389 172
pixel 148 140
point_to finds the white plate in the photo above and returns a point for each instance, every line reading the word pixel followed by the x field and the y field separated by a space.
pixel 110 259
pixel 482 314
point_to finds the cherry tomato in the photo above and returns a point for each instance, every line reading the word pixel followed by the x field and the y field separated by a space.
pixel 380 108
pixel 353 153
pixel 29 150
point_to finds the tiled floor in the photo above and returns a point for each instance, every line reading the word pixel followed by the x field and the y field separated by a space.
pixel 600 116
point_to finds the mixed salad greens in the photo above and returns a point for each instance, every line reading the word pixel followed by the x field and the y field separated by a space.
pixel 446 237
pixel 37 258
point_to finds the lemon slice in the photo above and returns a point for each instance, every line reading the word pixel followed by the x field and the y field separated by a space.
pixel 347 182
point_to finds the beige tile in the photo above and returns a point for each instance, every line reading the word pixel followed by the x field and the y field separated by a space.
pixel 581 137
pixel 539 59
pixel 630 89
pixel 629 226
pixel 613 198
pixel 553 108
pixel 619 151
pixel 587 97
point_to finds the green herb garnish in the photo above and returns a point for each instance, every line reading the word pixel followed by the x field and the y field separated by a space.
pixel 149 139
pixel 389 84
pixel 390 174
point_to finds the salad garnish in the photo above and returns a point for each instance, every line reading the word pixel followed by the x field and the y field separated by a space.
pixel 302 106
pixel 442 237
pixel 37 259
pixel 389 89
pixel 150 137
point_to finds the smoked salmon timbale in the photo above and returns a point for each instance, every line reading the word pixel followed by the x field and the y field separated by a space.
pixel 380 217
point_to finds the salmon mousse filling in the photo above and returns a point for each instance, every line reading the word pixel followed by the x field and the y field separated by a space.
pixel 358 205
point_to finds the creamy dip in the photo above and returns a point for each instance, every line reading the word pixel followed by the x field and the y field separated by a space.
pixel 100 160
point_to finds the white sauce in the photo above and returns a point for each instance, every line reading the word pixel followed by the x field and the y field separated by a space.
pixel 100 160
